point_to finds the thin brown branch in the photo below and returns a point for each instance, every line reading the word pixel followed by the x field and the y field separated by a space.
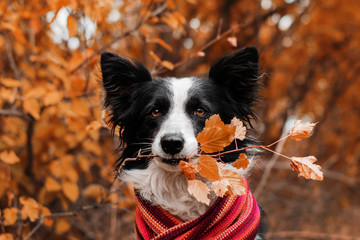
pixel 14 113
pixel 11 58
pixel 29 146
pixel 32 232
pixel 269 167
pixel 2 227
pixel 156 12
pixel 308 235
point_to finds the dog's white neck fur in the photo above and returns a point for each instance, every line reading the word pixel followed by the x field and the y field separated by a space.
pixel 167 189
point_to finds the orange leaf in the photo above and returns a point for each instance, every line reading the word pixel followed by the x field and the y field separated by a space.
pixel 167 64
pixel 155 57
pixel 71 191
pixel 94 125
pixel 51 185
pixel 216 135
pixel 208 167
pixel 232 41
pixel 236 184
pixel 306 168
pixel 220 187
pixel 241 162
pixel 199 54
pixel 163 44
pixel 240 132
pixel 95 191
pixel 52 97
pixel 301 130
pixel 9 157
pixel 32 107
pixel 199 190
pixel 62 226
pixel 6 236
pixel 48 221
pixel 10 82
pixel 72 26
pixel 188 169
pixel 10 216
pixel 30 209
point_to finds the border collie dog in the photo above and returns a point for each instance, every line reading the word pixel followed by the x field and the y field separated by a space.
pixel 162 117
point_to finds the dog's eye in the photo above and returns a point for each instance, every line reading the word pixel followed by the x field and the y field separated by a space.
pixel 155 112
pixel 199 112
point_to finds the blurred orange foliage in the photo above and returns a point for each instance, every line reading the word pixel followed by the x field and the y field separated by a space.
pixel 56 153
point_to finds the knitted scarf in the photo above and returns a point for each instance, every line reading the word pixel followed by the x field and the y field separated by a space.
pixel 230 217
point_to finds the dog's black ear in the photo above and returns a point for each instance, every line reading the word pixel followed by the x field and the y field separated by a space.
pixel 119 77
pixel 238 73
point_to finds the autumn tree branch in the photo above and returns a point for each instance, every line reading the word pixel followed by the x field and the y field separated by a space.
pixel 15 113
pixel 11 58
pixel 269 166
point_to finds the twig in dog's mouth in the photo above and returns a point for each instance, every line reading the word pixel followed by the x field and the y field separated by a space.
pixel 173 161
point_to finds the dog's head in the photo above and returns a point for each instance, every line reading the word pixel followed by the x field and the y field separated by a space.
pixel 162 116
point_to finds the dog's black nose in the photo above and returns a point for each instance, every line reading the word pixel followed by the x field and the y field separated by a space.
pixel 172 143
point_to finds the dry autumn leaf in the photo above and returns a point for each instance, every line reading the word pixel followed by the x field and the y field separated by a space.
pixel 95 191
pixel 48 221
pixel 9 157
pixel 10 216
pixel 163 44
pixel 208 167
pixel 32 106
pixel 301 130
pixel 30 208
pixel 306 168
pixel 220 187
pixel 188 169
pixel 167 64
pixel 94 125
pixel 240 132
pixel 6 236
pixel 232 41
pixel 62 226
pixel 53 97
pixel 51 185
pixel 70 190
pixel 199 190
pixel 236 184
pixel 216 135
pixel 200 54
pixel 72 26
pixel 241 162
pixel 10 82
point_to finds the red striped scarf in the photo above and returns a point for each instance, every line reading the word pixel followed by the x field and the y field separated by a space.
pixel 230 217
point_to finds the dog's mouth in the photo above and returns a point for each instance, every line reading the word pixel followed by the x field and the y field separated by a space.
pixel 173 161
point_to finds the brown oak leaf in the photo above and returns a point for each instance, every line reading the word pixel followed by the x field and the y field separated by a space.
pixel 306 168
pixel 301 130
pixel 220 187
pixel 199 190
pixel 188 169
pixel 240 132
pixel 208 167
pixel 236 184
pixel 241 162
pixel 216 135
